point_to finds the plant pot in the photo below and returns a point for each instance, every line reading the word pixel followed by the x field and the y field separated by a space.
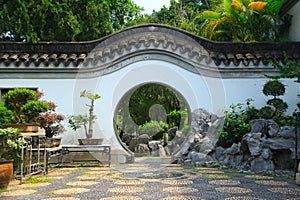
pixel 23 127
pixel 90 141
pixel 52 142
pixel 6 172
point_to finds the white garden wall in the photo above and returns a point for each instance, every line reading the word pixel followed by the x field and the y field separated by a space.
pixel 207 74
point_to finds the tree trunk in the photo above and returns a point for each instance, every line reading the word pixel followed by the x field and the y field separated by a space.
pixel 91 120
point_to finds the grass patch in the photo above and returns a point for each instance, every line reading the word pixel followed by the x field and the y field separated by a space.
pixel 221 176
pixel 3 190
pixel 87 173
pixel 38 180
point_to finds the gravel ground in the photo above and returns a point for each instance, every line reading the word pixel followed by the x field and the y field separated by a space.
pixel 153 178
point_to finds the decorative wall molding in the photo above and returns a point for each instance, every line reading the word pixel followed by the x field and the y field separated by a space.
pixel 108 54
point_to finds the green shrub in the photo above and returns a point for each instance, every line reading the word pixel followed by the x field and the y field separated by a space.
pixel 176 117
pixel 154 129
pixel 236 124
pixel 6 116
pixel 10 145
pixel 238 116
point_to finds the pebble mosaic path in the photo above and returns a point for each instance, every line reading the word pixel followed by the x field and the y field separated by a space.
pixel 153 178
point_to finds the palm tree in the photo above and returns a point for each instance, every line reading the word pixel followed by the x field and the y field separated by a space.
pixel 242 20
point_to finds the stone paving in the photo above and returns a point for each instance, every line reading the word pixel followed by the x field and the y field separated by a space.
pixel 153 178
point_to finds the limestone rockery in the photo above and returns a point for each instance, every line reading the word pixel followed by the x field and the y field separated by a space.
pixel 268 148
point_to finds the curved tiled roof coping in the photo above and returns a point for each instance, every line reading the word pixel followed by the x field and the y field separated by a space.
pixel 82 52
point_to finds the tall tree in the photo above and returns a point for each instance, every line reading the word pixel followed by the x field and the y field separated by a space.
pixel 63 20
pixel 180 13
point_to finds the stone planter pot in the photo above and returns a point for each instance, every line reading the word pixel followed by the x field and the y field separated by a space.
pixel 6 173
pixel 90 141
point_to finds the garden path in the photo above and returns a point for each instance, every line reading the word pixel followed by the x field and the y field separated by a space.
pixel 153 178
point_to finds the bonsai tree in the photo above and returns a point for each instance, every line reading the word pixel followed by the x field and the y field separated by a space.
pixel 25 105
pixel 87 121
pixel 51 121
pixel 78 121
pixel 276 106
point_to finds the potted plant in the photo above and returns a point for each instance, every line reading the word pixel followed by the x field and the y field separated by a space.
pixel 51 123
pixel 26 106
pixel 86 121
pixel 10 147
pixel 28 112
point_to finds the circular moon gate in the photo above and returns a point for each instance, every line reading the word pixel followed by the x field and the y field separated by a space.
pixel 193 89
pixel 125 123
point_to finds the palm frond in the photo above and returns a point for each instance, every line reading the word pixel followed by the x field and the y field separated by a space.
pixel 212 26
pixel 227 7
pixel 273 6
pixel 209 15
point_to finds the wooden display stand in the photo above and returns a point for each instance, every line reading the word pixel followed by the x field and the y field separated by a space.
pixel 33 154
pixel 96 150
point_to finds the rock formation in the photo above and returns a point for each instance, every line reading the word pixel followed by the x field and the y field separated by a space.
pixel 268 148
pixel 200 142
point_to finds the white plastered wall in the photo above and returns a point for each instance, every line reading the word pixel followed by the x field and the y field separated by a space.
pixel 212 94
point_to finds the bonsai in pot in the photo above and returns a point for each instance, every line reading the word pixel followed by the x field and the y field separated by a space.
pixel 28 112
pixel 51 123
pixel 86 121
pixel 10 148
pixel 26 106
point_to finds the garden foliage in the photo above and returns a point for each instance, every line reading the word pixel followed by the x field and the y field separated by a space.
pixel 24 106
pixel 10 144
pixel 177 117
pixel 6 115
pixel 154 129
pixel 238 116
